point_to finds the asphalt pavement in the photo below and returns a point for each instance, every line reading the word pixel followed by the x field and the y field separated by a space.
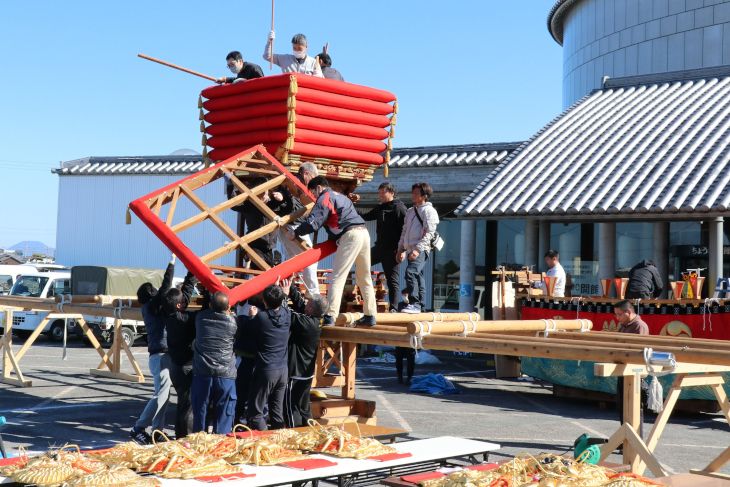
pixel 68 405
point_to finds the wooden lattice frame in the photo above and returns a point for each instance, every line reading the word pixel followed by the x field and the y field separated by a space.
pixel 255 161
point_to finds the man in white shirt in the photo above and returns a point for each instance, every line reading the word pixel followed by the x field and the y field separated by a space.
pixel 298 61
pixel 552 259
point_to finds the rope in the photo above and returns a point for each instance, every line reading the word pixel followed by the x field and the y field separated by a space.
pixel 585 325
pixel 466 332
pixel 351 322
pixel 416 339
pixel 548 328
pixel 650 370
pixel 577 310
pixel 708 312
pixel 59 306
pixel 655 399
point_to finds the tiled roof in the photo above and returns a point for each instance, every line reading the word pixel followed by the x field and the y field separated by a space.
pixel 657 145
pixel 451 155
pixel 555 19
pixel 109 166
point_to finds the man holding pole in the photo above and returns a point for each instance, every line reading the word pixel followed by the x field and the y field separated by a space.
pixel 243 70
pixel 298 61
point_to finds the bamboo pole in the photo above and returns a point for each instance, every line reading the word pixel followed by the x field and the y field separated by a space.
pixel 451 327
pixel 405 318
pixel 271 51
pixel 170 65
pixel 523 346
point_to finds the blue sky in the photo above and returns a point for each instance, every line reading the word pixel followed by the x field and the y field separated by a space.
pixel 72 85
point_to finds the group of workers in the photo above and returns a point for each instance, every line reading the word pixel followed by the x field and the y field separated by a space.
pixel 296 62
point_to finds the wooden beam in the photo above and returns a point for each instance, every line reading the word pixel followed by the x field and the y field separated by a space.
pixel 662 419
pixel 173 205
pixel 638 444
pixel 613 370
pixel 224 268
pixel 349 356
pixel 201 217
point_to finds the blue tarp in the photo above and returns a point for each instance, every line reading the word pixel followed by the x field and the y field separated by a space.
pixel 433 384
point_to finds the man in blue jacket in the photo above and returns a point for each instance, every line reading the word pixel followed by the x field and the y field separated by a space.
pixel 270 330
pixel 214 366
pixel 152 300
pixel 335 212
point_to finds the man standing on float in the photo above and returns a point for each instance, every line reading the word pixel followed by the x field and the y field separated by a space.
pixel 298 61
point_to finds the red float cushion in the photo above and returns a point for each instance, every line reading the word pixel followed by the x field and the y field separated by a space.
pixel 301 135
pixel 303 94
pixel 303 108
pixel 307 81
pixel 304 149
pixel 303 122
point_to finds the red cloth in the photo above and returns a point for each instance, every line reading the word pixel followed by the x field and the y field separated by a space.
pixel 483 466
pixel 304 149
pixel 390 456
pixel 200 270
pixel 310 464
pixel 4 462
pixel 303 108
pixel 422 476
pixel 303 80
pixel 247 434
pixel 303 122
pixel 301 135
pixel 303 94
pixel 223 478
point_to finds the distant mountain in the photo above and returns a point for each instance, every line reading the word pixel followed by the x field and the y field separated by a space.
pixel 33 247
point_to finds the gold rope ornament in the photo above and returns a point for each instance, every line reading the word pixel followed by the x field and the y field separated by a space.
pixel 293 86
pixel 390 143
pixel 291 129
pixel 207 161
pixel 392 132
pixel 200 101
pixel 128 219
pixel 202 127
pixel 395 106
pixel 205 140
pixel 291 116
pixel 291 102
pixel 392 120
pixel 205 151
pixel 385 170
pixel 202 115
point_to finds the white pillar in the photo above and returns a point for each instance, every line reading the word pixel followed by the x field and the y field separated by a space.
pixel 660 254
pixel 532 243
pixel 715 270
pixel 544 245
pixel 468 265
pixel 607 251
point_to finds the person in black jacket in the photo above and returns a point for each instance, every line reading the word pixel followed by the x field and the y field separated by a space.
pixel 306 326
pixel 270 329
pixel 214 366
pixel 325 61
pixel 255 219
pixel 644 281
pixel 151 300
pixel 243 70
pixel 180 328
pixel 390 215
pixel 245 350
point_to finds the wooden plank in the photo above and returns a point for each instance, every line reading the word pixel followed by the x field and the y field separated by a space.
pixel 201 217
pixel 133 361
pixel 612 370
pixel 662 419
pixel 705 473
pixel 8 344
pixel 349 356
pixel 173 205
pixel 94 342
pixel 613 442
pixel 32 338
pixel 158 204
pixel 702 380
pixel 632 414
pixel 638 444
pixel 233 269
pixel 116 375
pixel 116 346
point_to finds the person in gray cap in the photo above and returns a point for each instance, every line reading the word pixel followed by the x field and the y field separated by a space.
pixel 298 61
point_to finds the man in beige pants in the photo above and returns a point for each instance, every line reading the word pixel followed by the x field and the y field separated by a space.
pixel 338 216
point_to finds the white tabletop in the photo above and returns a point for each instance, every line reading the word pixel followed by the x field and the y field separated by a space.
pixel 421 450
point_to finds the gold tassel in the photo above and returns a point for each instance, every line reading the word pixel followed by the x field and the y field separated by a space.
pixel 202 115
pixel 285 157
pixel 292 116
pixel 392 132
pixel 200 101
pixel 390 143
pixel 385 170
pixel 392 119
pixel 205 140
pixel 291 102
pixel 289 144
pixel 202 127
pixel 395 107
pixel 205 151
pixel 129 217
pixel 291 129
pixel 293 86
pixel 207 161
pixel 387 157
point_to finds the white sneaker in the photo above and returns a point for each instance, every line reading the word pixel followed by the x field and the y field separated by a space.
pixel 411 309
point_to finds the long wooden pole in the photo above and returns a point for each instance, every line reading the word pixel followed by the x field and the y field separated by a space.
pixel 176 67
pixel 521 346
pixel 90 299
pixel 271 49
pixel 451 327
pixel 393 318
pixel 70 308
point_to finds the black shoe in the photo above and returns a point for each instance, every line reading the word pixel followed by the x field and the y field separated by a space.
pixel 159 437
pixel 328 321
pixel 366 320
pixel 408 381
pixel 400 379
pixel 140 436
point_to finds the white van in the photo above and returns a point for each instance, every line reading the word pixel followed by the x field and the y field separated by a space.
pixel 40 285
pixel 10 273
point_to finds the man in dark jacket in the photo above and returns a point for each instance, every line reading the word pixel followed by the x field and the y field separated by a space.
pixel 270 329
pixel 255 219
pixel 306 326
pixel 390 215
pixel 180 328
pixel 644 281
pixel 243 70
pixel 337 215
pixel 245 350
pixel 325 61
pixel 151 300
pixel 214 366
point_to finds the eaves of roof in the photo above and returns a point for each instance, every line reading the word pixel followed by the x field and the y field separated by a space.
pixel 451 155
pixel 115 166
pixel 555 19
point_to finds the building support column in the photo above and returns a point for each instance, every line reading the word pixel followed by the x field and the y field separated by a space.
pixel 467 269
pixel 660 254
pixel 544 245
pixel 715 270
pixel 607 251
pixel 532 244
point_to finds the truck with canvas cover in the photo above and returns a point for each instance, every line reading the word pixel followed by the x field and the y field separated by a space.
pixel 112 281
